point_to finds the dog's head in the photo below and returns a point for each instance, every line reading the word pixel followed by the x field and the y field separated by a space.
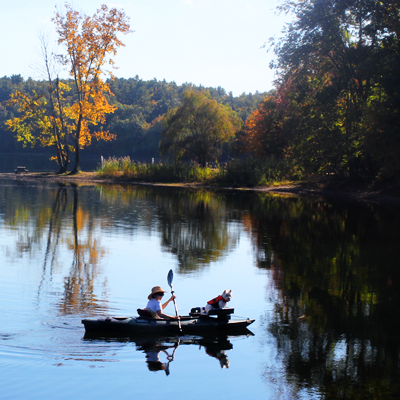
pixel 227 295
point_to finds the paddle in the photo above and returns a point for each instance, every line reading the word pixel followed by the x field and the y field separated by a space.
pixel 172 357
pixel 169 279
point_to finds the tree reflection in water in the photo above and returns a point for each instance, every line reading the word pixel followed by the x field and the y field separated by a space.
pixel 334 268
pixel 61 221
pixel 194 224
pixel 196 229
pixel 54 233
pixel 79 285
pixel 336 321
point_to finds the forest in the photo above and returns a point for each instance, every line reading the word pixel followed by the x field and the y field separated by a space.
pixel 137 121
pixel 334 109
pixel 337 100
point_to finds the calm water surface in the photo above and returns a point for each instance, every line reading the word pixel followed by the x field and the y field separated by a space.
pixel 321 278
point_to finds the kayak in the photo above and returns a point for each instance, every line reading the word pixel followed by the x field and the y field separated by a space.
pixel 217 320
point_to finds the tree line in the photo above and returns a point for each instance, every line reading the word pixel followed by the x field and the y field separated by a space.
pixel 137 120
pixel 334 109
pixel 69 115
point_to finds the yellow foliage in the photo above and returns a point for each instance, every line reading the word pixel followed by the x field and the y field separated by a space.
pixel 49 118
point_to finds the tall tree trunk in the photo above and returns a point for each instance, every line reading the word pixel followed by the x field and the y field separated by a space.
pixel 75 170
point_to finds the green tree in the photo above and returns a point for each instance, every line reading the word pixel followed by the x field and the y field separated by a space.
pixel 336 65
pixel 198 128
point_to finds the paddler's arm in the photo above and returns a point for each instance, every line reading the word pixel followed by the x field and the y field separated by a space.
pixel 161 315
pixel 166 303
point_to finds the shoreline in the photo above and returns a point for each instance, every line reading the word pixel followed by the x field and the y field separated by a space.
pixel 333 188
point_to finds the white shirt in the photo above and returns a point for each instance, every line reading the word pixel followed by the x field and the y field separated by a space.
pixel 154 305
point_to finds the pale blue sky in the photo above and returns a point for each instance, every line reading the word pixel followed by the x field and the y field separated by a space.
pixel 208 42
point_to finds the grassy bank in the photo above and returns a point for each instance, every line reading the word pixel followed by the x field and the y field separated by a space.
pixel 329 185
pixel 237 173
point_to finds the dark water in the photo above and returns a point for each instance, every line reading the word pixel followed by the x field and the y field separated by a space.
pixel 321 278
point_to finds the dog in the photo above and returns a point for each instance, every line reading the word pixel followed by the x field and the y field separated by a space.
pixel 219 302
pixel 220 355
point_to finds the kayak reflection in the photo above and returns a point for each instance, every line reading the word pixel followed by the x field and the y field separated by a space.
pixel 160 351
pixel 153 359
pixel 163 348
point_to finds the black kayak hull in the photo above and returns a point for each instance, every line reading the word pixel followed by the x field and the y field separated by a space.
pixel 143 325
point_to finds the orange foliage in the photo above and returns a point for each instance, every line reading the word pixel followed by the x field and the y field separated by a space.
pixel 262 132
pixel 90 42
pixel 53 119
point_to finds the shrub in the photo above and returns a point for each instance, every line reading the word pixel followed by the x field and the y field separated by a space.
pixel 110 167
pixel 250 172
pixel 125 167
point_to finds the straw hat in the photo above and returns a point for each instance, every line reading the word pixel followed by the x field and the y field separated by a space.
pixel 156 289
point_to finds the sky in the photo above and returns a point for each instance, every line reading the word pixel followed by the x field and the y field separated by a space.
pixel 204 42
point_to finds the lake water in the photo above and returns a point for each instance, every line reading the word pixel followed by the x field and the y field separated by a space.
pixel 321 278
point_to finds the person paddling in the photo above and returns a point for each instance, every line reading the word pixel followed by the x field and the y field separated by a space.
pixel 154 306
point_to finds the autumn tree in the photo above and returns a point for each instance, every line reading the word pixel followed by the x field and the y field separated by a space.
pixel 89 43
pixel 198 128
pixel 41 113
pixel 336 65
pixel 38 123
pixel 263 134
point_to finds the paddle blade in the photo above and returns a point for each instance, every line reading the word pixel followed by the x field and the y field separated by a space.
pixel 170 277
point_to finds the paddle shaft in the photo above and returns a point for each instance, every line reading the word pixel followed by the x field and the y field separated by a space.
pixel 176 309
pixel 170 278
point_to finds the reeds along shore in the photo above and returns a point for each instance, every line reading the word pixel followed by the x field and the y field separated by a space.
pixel 244 173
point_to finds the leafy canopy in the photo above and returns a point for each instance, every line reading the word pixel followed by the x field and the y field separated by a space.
pixel 337 89
pixel 198 128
